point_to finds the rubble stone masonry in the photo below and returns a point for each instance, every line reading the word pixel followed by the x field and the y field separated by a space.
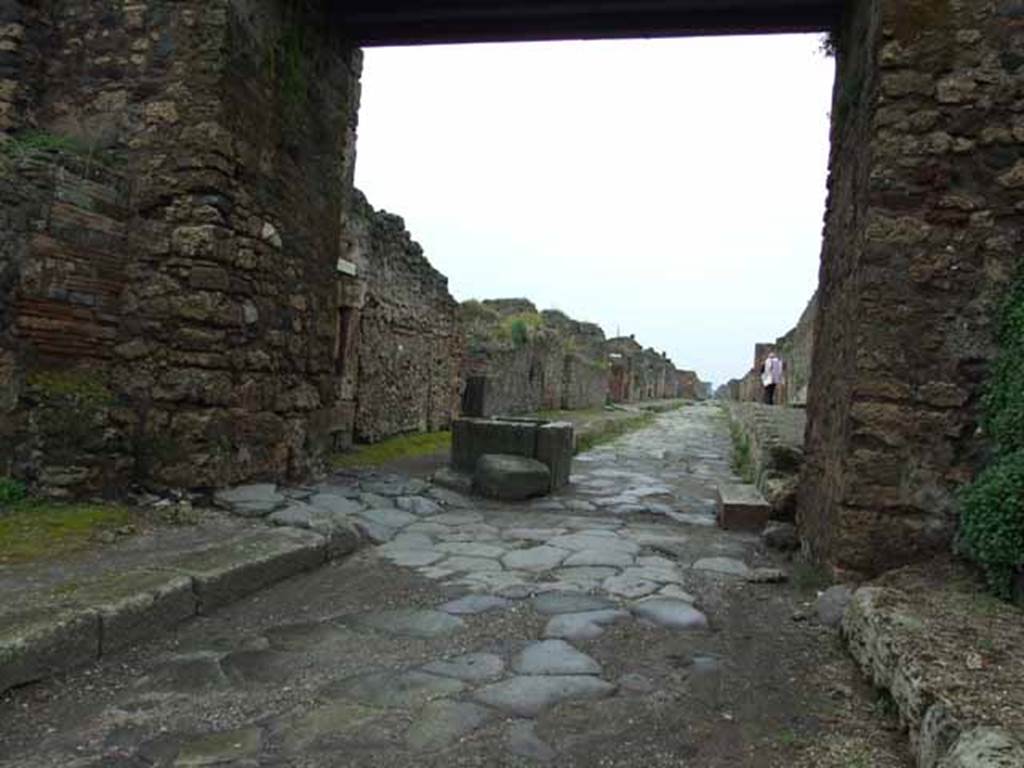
pixel 169 290
pixel 923 228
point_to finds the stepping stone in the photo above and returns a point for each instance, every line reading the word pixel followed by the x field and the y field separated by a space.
pixel 459 564
pixel 741 507
pixel 442 723
pixel 419 505
pixel 389 517
pixel 630 586
pixel 542 558
pixel 563 602
pixel 471 549
pixel 726 566
pixel 610 558
pixel 670 613
pixel 512 478
pixel 408 622
pixel 337 505
pixel 554 657
pixel 474 604
pixel 583 626
pixel 256 500
pixel 471 667
pixel 522 740
pixel 394 689
pixel 532 695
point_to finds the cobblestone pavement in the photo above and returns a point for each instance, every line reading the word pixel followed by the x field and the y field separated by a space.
pixel 611 625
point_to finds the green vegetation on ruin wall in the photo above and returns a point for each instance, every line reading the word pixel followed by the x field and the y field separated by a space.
pixel 992 519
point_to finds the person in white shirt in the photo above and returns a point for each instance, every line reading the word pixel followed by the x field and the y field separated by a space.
pixel 771 377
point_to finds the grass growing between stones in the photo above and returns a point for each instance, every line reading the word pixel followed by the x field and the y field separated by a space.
pixel 606 430
pixel 32 528
pixel 392 449
pixel 742 456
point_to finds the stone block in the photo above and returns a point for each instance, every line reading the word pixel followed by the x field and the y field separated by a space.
pixel 224 574
pixel 512 478
pixel 554 448
pixel 473 438
pixel 40 643
pixel 741 507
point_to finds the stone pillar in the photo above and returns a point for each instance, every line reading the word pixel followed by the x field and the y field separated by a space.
pixel 922 227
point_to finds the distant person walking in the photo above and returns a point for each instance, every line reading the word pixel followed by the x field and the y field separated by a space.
pixel 771 377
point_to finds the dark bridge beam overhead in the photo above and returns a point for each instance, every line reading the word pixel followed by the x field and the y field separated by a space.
pixel 411 22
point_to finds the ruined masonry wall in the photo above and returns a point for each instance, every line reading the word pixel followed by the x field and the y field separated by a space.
pixel 174 269
pixel 410 342
pixel 922 230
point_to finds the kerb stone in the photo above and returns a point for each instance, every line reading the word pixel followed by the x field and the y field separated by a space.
pixel 554 448
pixel 742 508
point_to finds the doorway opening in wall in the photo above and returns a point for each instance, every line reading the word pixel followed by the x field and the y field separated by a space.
pixel 673 188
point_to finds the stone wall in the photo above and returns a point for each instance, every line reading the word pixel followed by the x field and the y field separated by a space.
pixel 519 360
pixel 639 374
pixel 409 339
pixel 923 230
pixel 173 266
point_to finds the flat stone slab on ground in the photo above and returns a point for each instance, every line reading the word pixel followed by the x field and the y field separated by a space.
pixel 609 558
pixel 474 604
pixel 441 723
pixel 335 504
pixel 565 602
pixel 389 517
pixel 407 622
pixel 522 740
pixel 470 667
pixel 528 696
pixel 554 657
pixel 542 558
pixel 256 500
pixel 670 613
pixel 583 626
pixel 742 508
pixel 419 505
pixel 630 586
pixel 395 689
pixel 727 566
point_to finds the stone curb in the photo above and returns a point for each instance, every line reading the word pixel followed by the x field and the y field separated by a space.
pixel 938 738
pixel 138 606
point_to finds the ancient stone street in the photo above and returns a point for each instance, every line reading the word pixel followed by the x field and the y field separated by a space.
pixel 612 624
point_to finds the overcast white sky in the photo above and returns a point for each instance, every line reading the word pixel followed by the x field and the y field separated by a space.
pixel 673 189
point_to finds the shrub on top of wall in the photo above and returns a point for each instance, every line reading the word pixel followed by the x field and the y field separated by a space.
pixel 992 518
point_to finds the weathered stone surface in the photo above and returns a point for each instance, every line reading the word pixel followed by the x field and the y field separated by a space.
pixel 554 448
pixel 222 574
pixel 630 586
pixel 554 657
pixel 452 479
pixel 523 741
pixel 475 438
pixel 408 622
pixel 440 723
pixel 419 505
pixel 674 614
pixel 741 507
pixel 542 558
pixel 726 566
pixel 474 604
pixel 219 748
pixel 985 748
pixel 781 536
pixel 832 604
pixel 36 645
pixel 532 695
pixel 250 500
pixel 395 689
pixel 471 667
pixel 583 626
pixel 503 476
pixel 562 602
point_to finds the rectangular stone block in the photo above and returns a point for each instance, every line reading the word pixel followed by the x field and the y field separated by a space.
pixel 554 448
pixel 472 438
pixel 140 606
pixel 742 508
pixel 38 644
pixel 221 575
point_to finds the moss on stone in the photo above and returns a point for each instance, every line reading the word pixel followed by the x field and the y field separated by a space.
pixel 33 529
pixel 392 449
pixel 85 386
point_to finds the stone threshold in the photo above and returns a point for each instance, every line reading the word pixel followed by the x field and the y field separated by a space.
pixel 955 678
pixel 127 607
